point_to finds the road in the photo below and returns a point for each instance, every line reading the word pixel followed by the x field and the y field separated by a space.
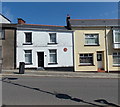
pixel 59 91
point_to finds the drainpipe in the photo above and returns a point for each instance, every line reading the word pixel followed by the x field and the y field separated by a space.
pixel 106 45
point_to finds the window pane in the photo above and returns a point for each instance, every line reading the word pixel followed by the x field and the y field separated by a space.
pixel 115 53
pixel 53 56
pixel 52 51
pixel 116 58
pixel 117 37
pixel 118 53
pixel 91 39
pixel 53 37
pixel 28 56
pixel 86 59
pixel 96 40
pixel 2 34
pixel 28 37
pixel 27 51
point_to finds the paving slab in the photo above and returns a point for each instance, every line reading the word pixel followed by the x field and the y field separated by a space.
pixel 61 74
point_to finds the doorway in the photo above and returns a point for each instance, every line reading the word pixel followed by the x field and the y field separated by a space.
pixel 100 60
pixel 40 59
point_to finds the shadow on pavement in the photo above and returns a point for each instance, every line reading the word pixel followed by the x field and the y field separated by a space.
pixel 60 95
pixel 102 101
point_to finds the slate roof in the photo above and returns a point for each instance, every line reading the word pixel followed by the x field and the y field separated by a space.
pixel 41 27
pixel 94 22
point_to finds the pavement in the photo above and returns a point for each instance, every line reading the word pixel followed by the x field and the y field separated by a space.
pixel 60 74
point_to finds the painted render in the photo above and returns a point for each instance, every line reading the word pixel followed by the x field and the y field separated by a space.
pixel 106 46
pixel 40 40
pixel 80 48
pixel 111 49
pixel 3 19
pixel 8 49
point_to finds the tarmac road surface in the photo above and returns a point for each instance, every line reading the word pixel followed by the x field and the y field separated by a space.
pixel 59 91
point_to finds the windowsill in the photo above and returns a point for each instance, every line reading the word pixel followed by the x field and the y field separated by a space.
pixel 2 38
pixel 52 63
pixel 116 43
pixel 116 65
pixel 27 43
pixel 86 65
pixel 92 45
pixel 28 63
pixel 52 43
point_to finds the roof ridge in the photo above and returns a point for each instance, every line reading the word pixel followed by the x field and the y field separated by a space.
pixel 94 19
pixel 43 25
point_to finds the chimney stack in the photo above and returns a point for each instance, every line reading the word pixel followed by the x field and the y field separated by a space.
pixel 68 16
pixel 68 22
pixel 21 21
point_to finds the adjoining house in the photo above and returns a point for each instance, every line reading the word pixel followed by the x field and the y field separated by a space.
pixel 96 44
pixel 7 43
pixel 44 46
pixel 4 19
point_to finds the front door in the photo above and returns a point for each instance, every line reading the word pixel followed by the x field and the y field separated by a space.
pixel 40 59
pixel 100 59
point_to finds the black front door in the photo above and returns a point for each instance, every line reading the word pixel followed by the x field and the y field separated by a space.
pixel 40 59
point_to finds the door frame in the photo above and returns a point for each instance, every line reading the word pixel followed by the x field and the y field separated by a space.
pixel 43 58
pixel 102 53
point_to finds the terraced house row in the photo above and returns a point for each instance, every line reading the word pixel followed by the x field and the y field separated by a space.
pixel 81 45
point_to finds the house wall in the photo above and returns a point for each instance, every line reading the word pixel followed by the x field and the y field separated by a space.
pixel 8 49
pixel 40 40
pixel 3 20
pixel 111 49
pixel 0 55
pixel 79 42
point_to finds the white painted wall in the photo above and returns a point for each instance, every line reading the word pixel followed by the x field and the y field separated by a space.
pixel 3 20
pixel 40 40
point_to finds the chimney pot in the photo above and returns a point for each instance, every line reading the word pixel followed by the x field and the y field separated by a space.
pixel 21 21
pixel 68 16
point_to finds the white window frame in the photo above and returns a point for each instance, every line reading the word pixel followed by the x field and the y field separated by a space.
pixel 117 55
pixel 89 55
pixel 26 37
pixel 30 53
pixel 54 42
pixel 93 34
pixel 55 53
pixel 115 31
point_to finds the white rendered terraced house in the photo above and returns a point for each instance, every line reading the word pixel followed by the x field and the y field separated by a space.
pixel 44 46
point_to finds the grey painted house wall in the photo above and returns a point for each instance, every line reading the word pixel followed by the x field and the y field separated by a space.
pixel 8 49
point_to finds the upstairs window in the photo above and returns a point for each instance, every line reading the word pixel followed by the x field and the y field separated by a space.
pixel 91 39
pixel 116 36
pixel 52 38
pixel 86 59
pixel 28 38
